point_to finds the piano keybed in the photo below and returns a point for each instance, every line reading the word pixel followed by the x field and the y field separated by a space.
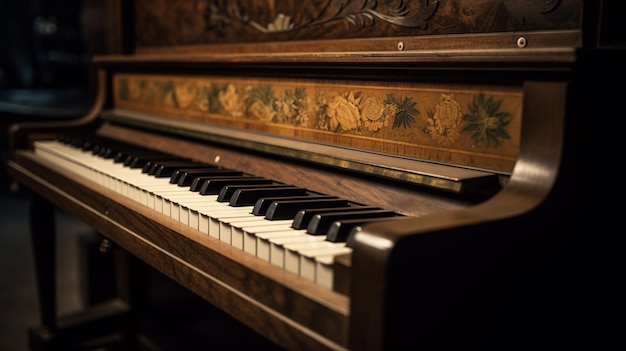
pixel 296 229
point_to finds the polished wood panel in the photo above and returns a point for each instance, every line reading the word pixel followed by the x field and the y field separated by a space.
pixel 164 24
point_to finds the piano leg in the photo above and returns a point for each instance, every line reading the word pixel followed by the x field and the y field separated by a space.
pixel 110 323
pixel 43 239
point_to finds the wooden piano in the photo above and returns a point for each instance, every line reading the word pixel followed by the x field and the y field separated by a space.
pixel 484 127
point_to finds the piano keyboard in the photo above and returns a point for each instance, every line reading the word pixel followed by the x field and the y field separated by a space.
pixel 298 230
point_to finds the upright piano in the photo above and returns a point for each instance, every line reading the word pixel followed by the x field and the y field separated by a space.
pixel 363 175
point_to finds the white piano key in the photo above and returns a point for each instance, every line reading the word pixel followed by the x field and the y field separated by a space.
pixel 263 251
pixel 324 272
pixel 256 238
pixel 277 249
pixel 292 252
pixel 273 241
pixel 309 260
pixel 216 217
pixel 225 232
pixel 238 236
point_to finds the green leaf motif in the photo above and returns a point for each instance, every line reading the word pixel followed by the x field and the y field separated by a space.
pixel 213 96
pixel 405 111
pixel 485 122
pixel 263 94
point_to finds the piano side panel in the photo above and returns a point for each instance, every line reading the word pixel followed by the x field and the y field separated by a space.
pixel 533 265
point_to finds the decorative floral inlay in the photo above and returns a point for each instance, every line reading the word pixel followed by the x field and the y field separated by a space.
pixel 389 114
pixel 487 125
pixel 281 23
pixel 376 113
pixel 444 121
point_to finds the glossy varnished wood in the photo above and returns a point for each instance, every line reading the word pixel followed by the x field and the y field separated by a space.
pixel 244 21
pixel 447 233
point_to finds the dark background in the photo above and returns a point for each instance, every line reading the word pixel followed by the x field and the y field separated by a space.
pixel 42 45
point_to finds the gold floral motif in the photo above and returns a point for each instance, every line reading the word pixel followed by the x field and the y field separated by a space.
pixel 343 112
pixel 261 112
pixel 292 107
pixel 260 102
pixel 185 93
pixel 376 114
pixel 202 98
pixel 230 101
pixel 281 23
pixel 444 122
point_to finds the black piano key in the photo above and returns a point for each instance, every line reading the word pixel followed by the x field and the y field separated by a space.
pixel 287 209
pixel 84 143
pixel 104 148
pixel 88 143
pixel 303 217
pixel 340 230
pixel 138 159
pixel 97 148
pixel 227 191
pixel 198 182
pixel 165 169
pixel 248 197
pixel 190 173
pixel 76 141
pixel 112 152
pixel 263 204
pixel 358 228
pixel 151 166
pixel 215 186
pixel 125 155
pixel 187 178
pixel 64 138
pixel 320 223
